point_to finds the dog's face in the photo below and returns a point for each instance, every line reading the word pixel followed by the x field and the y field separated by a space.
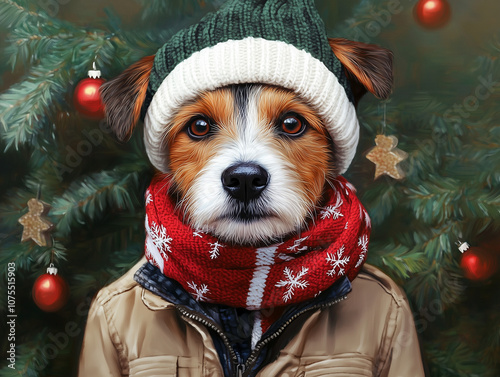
pixel 248 163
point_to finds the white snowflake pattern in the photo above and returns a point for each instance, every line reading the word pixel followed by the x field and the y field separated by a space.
pixel 333 211
pixel 296 248
pixel 346 224
pixel 292 282
pixel 363 242
pixel 199 292
pixel 160 238
pixel 149 198
pixel 197 233
pixel 214 251
pixel 337 260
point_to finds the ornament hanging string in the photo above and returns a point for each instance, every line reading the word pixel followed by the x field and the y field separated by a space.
pixel 385 117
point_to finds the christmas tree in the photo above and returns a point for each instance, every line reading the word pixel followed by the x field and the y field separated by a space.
pixel 443 112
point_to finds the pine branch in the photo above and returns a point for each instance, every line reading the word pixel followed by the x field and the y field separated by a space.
pixel 397 260
pixel 432 200
pixel 32 43
pixel 154 9
pixel 91 197
pixel 380 201
pixel 441 282
pixel 434 241
pixel 21 253
pixel 455 360
pixel 361 16
pixel 24 108
pixel 13 15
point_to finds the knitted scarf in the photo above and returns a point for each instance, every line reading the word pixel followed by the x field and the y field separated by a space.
pixel 297 269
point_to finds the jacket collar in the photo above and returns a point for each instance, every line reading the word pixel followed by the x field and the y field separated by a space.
pixel 161 292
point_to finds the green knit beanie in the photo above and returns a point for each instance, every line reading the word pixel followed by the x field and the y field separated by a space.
pixel 277 42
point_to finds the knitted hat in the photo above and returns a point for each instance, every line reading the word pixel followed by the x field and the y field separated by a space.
pixel 277 42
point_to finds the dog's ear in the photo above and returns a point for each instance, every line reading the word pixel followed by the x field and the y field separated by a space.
pixel 124 95
pixel 368 67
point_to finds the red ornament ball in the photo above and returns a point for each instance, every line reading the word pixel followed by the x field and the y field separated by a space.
pixel 87 99
pixel 432 14
pixel 50 292
pixel 479 263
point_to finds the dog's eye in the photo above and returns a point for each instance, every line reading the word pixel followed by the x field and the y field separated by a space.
pixel 292 125
pixel 198 128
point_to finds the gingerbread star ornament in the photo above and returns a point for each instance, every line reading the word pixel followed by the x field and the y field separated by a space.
pixel 36 227
pixel 386 157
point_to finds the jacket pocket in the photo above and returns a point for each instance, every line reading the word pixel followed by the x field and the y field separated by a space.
pixel 342 365
pixel 165 366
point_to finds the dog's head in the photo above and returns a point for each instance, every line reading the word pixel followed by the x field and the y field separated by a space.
pixel 249 161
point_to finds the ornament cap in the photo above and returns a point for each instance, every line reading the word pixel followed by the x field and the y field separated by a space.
pixel 94 73
pixel 462 246
pixel 51 270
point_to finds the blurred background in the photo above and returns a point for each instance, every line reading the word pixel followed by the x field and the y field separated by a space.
pixel 55 148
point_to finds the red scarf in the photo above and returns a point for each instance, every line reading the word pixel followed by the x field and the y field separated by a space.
pixel 297 269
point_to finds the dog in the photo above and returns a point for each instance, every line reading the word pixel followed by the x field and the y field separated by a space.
pixel 249 162
pixel 253 238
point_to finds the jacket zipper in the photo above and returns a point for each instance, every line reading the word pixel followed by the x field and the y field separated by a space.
pixel 240 367
pixel 237 363
pixel 253 356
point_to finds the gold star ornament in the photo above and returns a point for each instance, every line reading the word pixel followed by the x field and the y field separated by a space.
pixel 36 227
pixel 386 157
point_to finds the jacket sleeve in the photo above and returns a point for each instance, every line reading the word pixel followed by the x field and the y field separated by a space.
pixel 403 357
pixel 99 356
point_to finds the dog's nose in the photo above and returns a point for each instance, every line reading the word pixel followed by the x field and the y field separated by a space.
pixel 245 181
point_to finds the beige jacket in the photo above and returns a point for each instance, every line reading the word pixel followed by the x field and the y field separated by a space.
pixel 132 332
